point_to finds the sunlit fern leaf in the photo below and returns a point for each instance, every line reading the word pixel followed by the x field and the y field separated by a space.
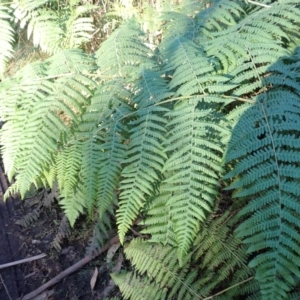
pixel 194 168
pixel 123 52
pixel 109 104
pixel 113 153
pixel 79 25
pixel 151 88
pixel 34 120
pixel 144 165
pixel 87 177
pixel 145 153
pixel 137 288
pixel 219 16
pixel 246 49
pixel 42 24
pixel 178 24
pixel 263 154
pixel 192 72
pixel 6 36
pixel 70 62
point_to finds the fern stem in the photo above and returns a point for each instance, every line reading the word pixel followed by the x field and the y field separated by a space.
pixel 229 288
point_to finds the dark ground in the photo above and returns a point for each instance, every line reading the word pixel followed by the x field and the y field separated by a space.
pixel 19 242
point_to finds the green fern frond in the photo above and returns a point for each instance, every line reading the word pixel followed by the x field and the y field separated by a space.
pixel 43 106
pixel 194 168
pixel 263 154
pixel 42 24
pixel 188 65
pixel 6 36
pixel 217 263
pixel 68 162
pixel 113 153
pixel 136 288
pixel 73 204
pixel 79 25
pixel 145 152
pixel 160 264
pixel 159 221
pixel 123 52
pixel 246 49
pixel 144 165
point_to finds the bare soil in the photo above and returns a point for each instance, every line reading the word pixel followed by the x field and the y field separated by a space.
pixel 19 242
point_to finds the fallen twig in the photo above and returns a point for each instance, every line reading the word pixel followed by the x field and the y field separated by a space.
pixel 70 270
pixel 6 290
pixel 18 262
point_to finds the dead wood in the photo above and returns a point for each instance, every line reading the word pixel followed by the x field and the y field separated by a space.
pixel 70 270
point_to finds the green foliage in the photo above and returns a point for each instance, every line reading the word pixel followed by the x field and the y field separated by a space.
pixel 216 259
pixel 265 164
pixel 156 128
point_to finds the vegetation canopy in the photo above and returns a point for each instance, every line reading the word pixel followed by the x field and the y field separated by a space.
pixel 188 121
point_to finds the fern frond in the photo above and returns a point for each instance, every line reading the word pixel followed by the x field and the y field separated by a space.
pixel 79 25
pixel 123 52
pixel 145 153
pixel 113 153
pixel 144 165
pixel 64 231
pixel 29 218
pixel 43 110
pixel 100 234
pixel 159 221
pixel 136 288
pixel 160 264
pixel 263 154
pixel 42 24
pixel 194 167
pixel 246 49
pixel 6 36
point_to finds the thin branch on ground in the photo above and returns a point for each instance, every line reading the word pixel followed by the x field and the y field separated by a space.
pixel 5 287
pixel 70 270
pixel 22 261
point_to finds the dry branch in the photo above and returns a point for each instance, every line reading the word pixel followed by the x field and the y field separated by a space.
pixel 70 270
pixel 18 262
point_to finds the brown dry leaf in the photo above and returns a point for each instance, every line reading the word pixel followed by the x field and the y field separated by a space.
pixel 94 279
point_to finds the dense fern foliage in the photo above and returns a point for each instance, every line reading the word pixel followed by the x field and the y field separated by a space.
pixel 193 135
